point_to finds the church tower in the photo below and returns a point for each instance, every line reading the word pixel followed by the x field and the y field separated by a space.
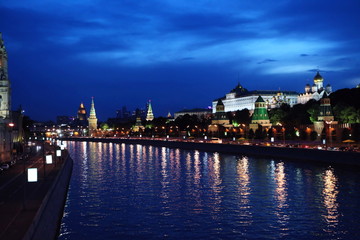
pixel 149 115
pixel 92 119
pixel 318 81
pixel 5 90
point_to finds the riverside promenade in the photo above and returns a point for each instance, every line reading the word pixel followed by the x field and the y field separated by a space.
pixel 284 152
pixel 33 210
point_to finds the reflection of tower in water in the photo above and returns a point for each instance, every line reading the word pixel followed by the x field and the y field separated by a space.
pixel 330 193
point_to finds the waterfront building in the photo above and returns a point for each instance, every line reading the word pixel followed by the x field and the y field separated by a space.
pixel 220 121
pixel 326 124
pixel 149 115
pixel 138 127
pixel 199 112
pixel 316 91
pixel 92 119
pixel 240 98
pixel 260 115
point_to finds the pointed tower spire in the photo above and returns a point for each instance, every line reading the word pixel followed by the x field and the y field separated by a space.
pixel 149 115
pixel 92 119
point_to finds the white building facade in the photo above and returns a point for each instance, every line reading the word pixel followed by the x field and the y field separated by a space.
pixel 240 98
pixel 316 91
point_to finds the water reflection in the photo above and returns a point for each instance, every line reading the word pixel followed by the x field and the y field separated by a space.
pixel 330 193
pixel 121 191
pixel 280 190
pixel 244 189
pixel 281 199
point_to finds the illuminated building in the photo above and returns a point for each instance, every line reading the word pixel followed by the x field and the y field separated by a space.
pixel 5 89
pixel 92 119
pixel 325 113
pixel 138 127
pixel 81 113
pixel 240 98
pixel 220 114
pixel 11 132
pixel 220 120
pixel 260 115
pixel 149 115
pixel 326 120
pixel 199 112
pixel 316 91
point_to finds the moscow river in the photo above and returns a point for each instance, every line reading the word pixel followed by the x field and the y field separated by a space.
pixel 121 191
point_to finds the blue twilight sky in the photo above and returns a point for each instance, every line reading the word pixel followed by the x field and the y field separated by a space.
pixel 178 53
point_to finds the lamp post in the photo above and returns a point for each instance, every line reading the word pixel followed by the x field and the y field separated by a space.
pixel 329 129
pixel 11 126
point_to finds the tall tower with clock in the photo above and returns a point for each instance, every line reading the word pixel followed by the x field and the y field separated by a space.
pixel 5 89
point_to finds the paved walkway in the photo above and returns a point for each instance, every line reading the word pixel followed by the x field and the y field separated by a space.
pixel 19 199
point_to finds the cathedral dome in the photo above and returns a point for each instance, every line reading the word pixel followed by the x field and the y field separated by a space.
pixel 318 77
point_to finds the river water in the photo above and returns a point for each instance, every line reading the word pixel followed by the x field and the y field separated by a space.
pixel 121 191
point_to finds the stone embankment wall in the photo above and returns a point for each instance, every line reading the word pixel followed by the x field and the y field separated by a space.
pixel 46 223
pixel 302 154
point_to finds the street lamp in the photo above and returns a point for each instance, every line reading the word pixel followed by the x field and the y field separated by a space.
pixel 11 125
pixel 330 135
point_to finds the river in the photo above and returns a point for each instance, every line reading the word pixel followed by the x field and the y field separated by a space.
pixel 125 191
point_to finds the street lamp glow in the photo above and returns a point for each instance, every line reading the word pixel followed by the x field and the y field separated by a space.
pixel 32 174
pixel 58 153
pixel 49 159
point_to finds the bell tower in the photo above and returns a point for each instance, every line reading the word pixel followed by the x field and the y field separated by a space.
pixel 5 90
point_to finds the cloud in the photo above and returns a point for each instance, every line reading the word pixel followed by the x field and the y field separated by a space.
pixel 267 61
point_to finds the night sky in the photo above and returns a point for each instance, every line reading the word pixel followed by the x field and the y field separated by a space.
pixel 178 53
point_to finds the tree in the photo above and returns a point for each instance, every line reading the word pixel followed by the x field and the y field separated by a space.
pixel 277 115
pixel 104 126
pixel 313 135
pixel 251 134
pixel 314 112
pixel 241 117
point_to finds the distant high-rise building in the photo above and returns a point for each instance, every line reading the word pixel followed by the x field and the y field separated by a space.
pixel 5 89
pixel 81 113
pixel 92 119
pixel 149 115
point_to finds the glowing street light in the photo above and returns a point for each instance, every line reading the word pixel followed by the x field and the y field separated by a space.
pixel 32 174
pixel 49 159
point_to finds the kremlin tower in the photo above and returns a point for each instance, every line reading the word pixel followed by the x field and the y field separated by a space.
pixel 260 115
pixel 149 115
pixel 81 113
pixel 92 119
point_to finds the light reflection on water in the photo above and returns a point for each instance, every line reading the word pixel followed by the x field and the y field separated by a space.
pixel 330 193
pixel 121 191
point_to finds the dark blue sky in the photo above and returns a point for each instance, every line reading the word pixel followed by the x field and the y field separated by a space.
pixel 178 53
